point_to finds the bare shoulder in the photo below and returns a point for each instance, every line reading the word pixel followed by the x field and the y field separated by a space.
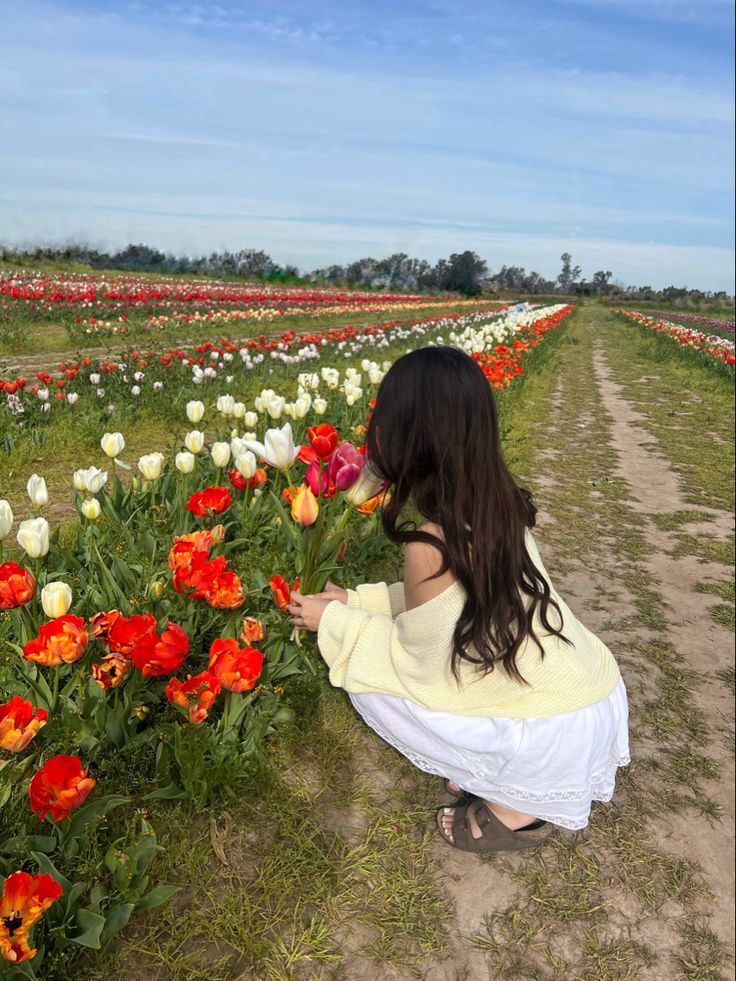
pixel 422 561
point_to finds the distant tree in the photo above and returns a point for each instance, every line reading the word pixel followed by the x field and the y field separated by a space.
pixel 462 273
pixel 569 274
pixel 601 281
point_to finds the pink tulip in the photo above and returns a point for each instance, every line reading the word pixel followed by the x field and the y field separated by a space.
pixel 345 466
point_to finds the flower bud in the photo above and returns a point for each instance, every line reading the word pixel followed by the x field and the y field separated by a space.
pixel 37 491
pixel 220 454
pixel 91 508
pixel 184 462
pixel 225 404
pixel 246 464
pixel 6 518
pixel 33 537
pixel 151 465
pixel 112 444
pixel 156 589
pixel 195 411
pixel 56 598
pixel 304 507
pixel 194 441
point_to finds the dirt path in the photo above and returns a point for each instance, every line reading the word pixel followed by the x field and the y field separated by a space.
pixel 629 468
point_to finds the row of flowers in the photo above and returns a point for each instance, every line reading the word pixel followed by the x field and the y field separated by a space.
pixel 158 621
pixel 135 374
pixel 698 320
pixel 719 348
pixel 111 305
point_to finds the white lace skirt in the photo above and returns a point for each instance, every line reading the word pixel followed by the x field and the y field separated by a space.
pixel 550 768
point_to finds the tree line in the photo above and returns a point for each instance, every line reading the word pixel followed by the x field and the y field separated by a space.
pixel 462 272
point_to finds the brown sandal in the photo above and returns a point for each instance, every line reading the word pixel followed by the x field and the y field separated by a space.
pixel 495 836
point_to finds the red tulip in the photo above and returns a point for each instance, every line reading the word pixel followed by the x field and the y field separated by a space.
pixel 24 900
pixel 59 786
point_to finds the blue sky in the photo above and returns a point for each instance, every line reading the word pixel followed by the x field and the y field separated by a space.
pixel 327 131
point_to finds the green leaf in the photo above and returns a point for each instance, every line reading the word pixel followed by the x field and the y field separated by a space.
pixel 171 792
pixel 157 897
pixel 91 925
pixel 116 917
pixel 45 865
pixel 97 809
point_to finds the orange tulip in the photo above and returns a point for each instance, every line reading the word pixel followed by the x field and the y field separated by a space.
pixel 60 641
pixel 196 695
pixel 59 786
pixel 304 506
pixel 24 900
pixel 18 724
pixel 252 630
pixel 112 671
pixel 17 585
pixel 235 669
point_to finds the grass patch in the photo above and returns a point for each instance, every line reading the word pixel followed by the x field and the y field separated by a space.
pixel 711 549
pixel 672 520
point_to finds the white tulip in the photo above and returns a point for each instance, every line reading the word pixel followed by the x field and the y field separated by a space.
pixel 239 410
pixel 112 444
pixel 37 491
pixel 91 480
pixel 33 537
pixel 250 420
pixel 194 441
pixel 56 598
pixel 151 465
pixel 6 519
pixel 365 487
pixel 225 404
pixel 275 406
pixel 220 454
pixel 195 411
pixel 184 462
pixel 319 405
pixel 91 508
pixel 247 464
pixel 238 446
pixel 277 448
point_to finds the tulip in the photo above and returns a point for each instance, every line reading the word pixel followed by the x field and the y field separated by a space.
pixel 246 464
pixel 365 487
pixel 151 465
pixel 195 411
pixel 319 405
pixel 277 448
pixel 91 508
pixel 112 444
pixel 250 420
pixel 275 406
pixel 345 466
pixel 184 462
pixel 194 441
pixel 6 519
pixel 37 491
pixel 304 506
pixel 225 404
pixel 56 598
pixel 323 439
pixel 24 900
pixel 238 446
pixel 220 454
pixel 59 786
pixel 33 537
pixel 239 410
pixel 19 724
pixel 91 480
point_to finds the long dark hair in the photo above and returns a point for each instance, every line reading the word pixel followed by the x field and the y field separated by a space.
pixel 434 436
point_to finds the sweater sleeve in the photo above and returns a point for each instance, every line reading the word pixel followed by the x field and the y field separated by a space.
pixel 378 598
pixel 358 647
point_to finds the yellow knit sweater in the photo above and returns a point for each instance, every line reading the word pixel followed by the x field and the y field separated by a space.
pixel 373 644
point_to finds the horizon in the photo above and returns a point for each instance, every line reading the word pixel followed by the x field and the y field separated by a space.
pixel 602 128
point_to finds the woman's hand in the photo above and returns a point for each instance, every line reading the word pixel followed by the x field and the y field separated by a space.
pixel 334 592
pixel 306 611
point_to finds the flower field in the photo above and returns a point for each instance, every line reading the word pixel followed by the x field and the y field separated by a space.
pixel 146 636
pixel 104 307
pixel 714 346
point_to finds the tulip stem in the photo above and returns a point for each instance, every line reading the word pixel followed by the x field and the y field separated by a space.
pixel 57 672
